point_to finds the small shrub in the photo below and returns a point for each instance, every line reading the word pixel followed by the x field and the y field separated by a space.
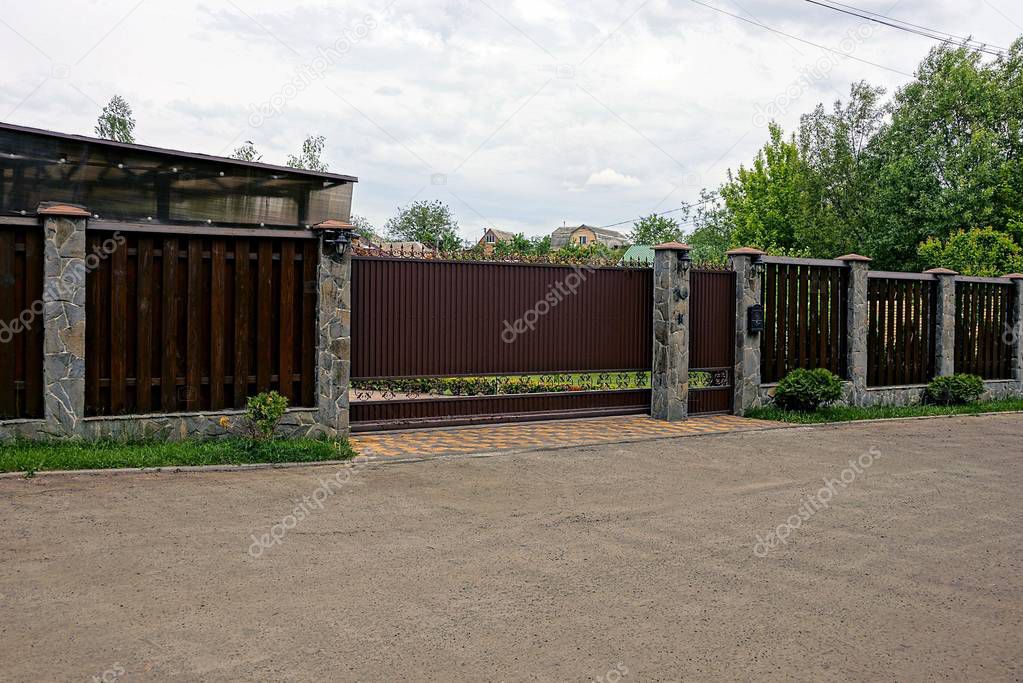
pixel 807 390
pixel 957 389
pixel 265 411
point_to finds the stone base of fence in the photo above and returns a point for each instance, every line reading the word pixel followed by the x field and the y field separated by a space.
pixel 906 395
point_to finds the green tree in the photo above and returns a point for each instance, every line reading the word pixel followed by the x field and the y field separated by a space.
pixel 363 228
pixel 655 229
pixel 712 235
pixel 429 222
pixel 246 152
pixel 116 121
pixel 983 252
pixel 310 156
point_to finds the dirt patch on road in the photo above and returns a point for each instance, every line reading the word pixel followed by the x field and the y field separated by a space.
pixel 563 565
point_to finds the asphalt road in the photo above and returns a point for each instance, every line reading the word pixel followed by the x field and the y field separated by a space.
pixel 631 562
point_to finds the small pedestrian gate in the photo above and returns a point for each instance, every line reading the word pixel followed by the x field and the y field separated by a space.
pixel 711 341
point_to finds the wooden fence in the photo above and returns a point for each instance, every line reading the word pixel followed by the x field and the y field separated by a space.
pixel 984 344
pixel 21 321
pixel 199 321
pixel 901 329
pixel 804 317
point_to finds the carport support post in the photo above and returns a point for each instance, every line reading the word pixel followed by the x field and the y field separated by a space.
pixel 334 325
pixel 63 319
pixel 857 320
pixel 669 379
pixel 945 322
pixel 1017 329
pixel 746 374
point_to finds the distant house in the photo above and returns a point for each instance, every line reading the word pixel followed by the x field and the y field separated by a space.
pixel 638 252
pixel 491 237
pixel 584 235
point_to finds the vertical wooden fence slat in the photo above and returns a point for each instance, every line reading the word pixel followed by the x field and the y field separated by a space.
pixel 33 348
pixel 144 333
pixel 287 320
pixel 118 329
pixel 309 278
pixel 169 363
pixel 8 314
pixel 193 362
pixel 770 318
pixel 241 316
pixel 264 315
pixel 218 321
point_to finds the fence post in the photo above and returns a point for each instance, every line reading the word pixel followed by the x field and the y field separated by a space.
pixel 746 374
pixel 857 321
pixel 334 322
pixel 945 322
pixel 1016 331
pixel 64 271
pixel 669 380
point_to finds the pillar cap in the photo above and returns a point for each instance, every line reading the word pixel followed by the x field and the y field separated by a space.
pixel 1015 276
pixel 58 209
pixel 855 257
pixel 674 246
pixel 745 251
pixel 333 224
pixel 942 271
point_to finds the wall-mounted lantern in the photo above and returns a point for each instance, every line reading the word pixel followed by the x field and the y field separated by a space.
pixel 336 235
pixel 758 266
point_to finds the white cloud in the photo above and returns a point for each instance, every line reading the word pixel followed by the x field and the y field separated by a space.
pixel 508 99
pixel 612 178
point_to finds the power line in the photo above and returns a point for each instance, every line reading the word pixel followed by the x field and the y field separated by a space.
pixel 801 40
pixel 916 29
pixel 664 213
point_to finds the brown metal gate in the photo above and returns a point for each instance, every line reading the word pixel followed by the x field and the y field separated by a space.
pixel 711 341
pixel 428 319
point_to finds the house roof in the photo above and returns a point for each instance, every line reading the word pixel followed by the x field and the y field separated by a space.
pixel 502 235
pixel 101 142
pixel 561 235
pixel 639 252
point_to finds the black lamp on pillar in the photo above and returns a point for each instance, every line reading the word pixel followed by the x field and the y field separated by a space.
pixel 336 235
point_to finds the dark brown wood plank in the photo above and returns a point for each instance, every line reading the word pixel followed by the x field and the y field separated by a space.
pixel 770 322
pixel 193 355
pixel 169 327
pixel 310 261
pixel 242 294
pixel 804 299
pixel 837 333
pixel 792 343
pixel 218 321
pixel 264 315
pixel 118 330
pixel 144 332
pixel 34 252
pixel 9 317
pixel 96 344
pixel 286 354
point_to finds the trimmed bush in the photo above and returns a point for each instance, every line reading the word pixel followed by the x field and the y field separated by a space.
pixel 957 389
pixel 807 390
pixel 265 411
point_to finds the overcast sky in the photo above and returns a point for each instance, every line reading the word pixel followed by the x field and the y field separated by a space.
pixel 520 115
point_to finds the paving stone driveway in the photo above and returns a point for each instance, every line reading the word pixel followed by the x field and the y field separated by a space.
pixel 552 434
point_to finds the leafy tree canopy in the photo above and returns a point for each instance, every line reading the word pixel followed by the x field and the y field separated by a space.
pixel 116 121
pixel 983 252
pixel 310 157
pixel 246 152
pixel 655 229
pixel 429 222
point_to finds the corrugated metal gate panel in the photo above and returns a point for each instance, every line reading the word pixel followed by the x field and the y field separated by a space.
pixel 423 318
pixel 712 339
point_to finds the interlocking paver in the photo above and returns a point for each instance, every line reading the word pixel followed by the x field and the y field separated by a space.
pixel 516 436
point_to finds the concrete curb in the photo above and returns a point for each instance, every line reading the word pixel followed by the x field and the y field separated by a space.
pixel 405 460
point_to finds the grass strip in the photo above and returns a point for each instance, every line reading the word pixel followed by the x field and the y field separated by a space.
pixel 850 413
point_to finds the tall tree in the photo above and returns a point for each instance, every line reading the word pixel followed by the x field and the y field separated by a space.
pixel 310 156
pixel 655 229
pixel 712 235
pixel 429 222
pixel 116 121
pixel 363 228
pixel 246 152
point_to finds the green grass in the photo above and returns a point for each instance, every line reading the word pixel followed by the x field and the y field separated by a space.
pixel 33 456
pixel 847 413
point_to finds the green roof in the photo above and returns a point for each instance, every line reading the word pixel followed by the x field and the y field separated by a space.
pixel 639 252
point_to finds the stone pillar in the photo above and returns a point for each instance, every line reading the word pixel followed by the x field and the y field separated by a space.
pixel 669 379
pixel 945 322
pixel 746 374
pixel 64 322
pixel 856 333
pixel 334 322
pixel 1016 329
